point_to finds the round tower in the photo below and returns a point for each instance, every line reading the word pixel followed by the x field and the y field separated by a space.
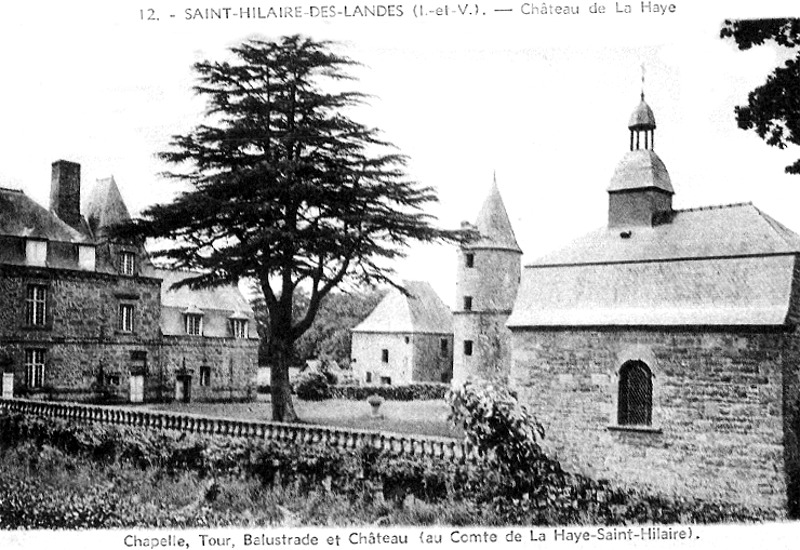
pixel 488 275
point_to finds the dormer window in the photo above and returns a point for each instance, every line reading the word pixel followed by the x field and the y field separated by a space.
pixel 194 324
pixel 239 327
pixel 36 252
pixel 127 263
pixel 86 257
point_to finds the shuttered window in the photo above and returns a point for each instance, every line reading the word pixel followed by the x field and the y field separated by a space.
pixel 635 402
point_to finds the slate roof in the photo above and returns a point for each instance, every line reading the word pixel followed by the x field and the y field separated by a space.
pixel 104 206
pixel 640 169
pixel 21 216
pixel 421 313
pixel 642 117
pixel 494 225
pixel 218 305
pixel 727 265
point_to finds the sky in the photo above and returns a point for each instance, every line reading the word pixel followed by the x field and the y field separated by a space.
pixel 542 101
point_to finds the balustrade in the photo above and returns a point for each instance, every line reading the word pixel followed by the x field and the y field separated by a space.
pixel 417 445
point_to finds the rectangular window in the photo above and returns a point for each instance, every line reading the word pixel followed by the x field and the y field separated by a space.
pixel 386 380
pixel 385 355
pixel 194 324
pixel 112 380
pixel 205 376
pixel 467 347
pixel 34 368
pixel 36 305
pixel 443 347
pixel 470 260
pixel 369 377
pixel 467 303
pixel 239 328
pixel 127 263
pixel 125 323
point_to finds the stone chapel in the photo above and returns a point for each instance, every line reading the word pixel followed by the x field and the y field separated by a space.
pixel 663 348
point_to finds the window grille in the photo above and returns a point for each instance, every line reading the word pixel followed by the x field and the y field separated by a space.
pixel 239 328
pixel 467 303
pixel 125 322
pixel 34 368
pixel 36 305
pixel 194 324
pixel 127 263
pixel 635 400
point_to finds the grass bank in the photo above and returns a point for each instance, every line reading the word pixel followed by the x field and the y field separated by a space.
pixel 427 417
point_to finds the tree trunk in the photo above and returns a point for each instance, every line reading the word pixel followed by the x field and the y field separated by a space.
pixel 280 387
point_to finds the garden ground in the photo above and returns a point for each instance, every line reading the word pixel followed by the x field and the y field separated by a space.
pixel 425 417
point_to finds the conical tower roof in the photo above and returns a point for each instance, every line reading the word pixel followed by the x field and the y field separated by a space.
pixel 493 224
pixel 105 206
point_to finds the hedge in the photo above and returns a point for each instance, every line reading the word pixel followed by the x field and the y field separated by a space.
pixel 564 498
pixel 410 392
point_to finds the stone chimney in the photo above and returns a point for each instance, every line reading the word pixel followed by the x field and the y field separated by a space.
pixel 65 192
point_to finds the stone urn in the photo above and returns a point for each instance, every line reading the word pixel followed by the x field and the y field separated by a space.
pixel 375 402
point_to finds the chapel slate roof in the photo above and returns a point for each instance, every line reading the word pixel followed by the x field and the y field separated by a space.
pixel 493 225
pixel 727 265
pixel 21 216
pixel 218 305
pixel 423 312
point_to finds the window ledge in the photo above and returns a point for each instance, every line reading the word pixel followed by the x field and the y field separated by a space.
pixel 635 429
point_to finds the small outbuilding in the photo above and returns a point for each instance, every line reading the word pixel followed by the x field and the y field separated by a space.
pixel 407 338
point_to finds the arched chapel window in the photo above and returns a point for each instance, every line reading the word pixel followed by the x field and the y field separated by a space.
pixel 635 400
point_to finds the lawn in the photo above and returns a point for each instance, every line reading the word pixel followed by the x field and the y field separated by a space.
pixel 428 417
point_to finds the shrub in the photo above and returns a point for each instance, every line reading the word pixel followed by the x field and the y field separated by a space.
pixel 409 392
pixel 313 386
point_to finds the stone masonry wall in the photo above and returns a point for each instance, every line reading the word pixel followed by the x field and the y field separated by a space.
pixel 80 336
pixel 430 363
pixel 232 362
pixel 366 352
pixel 491 352
pixel 718 420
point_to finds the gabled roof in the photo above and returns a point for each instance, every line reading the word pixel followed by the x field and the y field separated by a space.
pixel 423 312
pixel 727 265
pixel 104 206
pixel 494 225
pixel 20 216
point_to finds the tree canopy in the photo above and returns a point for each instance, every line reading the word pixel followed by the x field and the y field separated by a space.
pixel 773 109
pixel 286 189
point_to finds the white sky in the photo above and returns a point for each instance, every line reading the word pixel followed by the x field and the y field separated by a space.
pixel 543 100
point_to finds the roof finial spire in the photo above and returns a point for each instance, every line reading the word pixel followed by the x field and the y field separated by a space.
pixel 494 176
pixel 643 71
